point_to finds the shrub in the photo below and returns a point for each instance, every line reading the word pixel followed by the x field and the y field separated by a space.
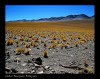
pixel 64 39
pixel 22 38
pixel 18 51
pixel 23 43
pixel 76 44
pixel 45 45
pixel 66 45
pixel 9 42
pixel 27 45
pixel 86 70
pixel 25 51
pixel 45 54
pixel 35 44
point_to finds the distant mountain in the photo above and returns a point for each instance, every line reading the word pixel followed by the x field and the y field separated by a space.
pixel 69 17
pixel 92 17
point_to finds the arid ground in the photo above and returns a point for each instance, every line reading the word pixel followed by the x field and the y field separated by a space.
pixel 68 46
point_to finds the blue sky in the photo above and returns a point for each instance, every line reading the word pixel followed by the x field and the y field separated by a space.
pixel 29 12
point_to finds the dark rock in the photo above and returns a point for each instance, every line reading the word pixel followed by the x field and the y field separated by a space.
pixel 7 69
pixel 14 70
pixel 38 61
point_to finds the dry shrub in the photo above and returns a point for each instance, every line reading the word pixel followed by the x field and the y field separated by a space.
pixel 35 44
pixel 25 51
pixel 86 70
pixel 27 45
pixel 45 54
pixel 9 42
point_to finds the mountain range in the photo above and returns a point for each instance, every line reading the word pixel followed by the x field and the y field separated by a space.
pixel 64 18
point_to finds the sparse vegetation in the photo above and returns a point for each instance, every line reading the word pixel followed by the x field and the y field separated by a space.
pixel 69 41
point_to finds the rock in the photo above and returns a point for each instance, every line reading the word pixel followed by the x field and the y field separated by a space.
pixel 32 71
pixel 52 70
pixel 72 55
pixel 46 67
pixel 53 52
pixel 25 69
pixel 22 72
pixel 17 60
pixel 24 64
pixel 38 61
pixel 7 69
pixel 32 68
pixel 14 70
pixel 36 65
pixel 41 72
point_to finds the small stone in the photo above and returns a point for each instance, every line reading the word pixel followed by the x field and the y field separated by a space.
pixel 17 60
pixel 22 72
pixel 38 61
pixel 7 69
pixel 14 70
pixel 41 72
pixel 25 69
pixel 24 64
pixel 36 65
pixel 32 68
pixel 53 52
pixel 72 55
pixel 32 71
pixel 46 67
pixel 50 68
pixel 53 70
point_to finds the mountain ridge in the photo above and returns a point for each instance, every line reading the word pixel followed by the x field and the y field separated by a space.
pixel 61 18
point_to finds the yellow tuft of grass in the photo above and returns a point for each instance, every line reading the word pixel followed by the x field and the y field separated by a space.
pixel 25 51
pixel 27 45
pixel 45 54
pixel 9 42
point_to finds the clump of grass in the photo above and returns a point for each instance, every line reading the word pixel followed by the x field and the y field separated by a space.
pixel 17 42
pixel 18 51
pixel 51 41
pixel 22 38
pixel 32 43
pixel 42 41
pixel 87 69
pixel 54 45
pixel 76 44
pixel 17 45
pixel 43 36
pixel 27 45
pixel 35 44
pixel 45 54
pixel 23 43
pixel 64 39
pixel 25 51
pixel 66 45
pixel 9 42
pixel 49 47
pixel 45 45
pixel 28 40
